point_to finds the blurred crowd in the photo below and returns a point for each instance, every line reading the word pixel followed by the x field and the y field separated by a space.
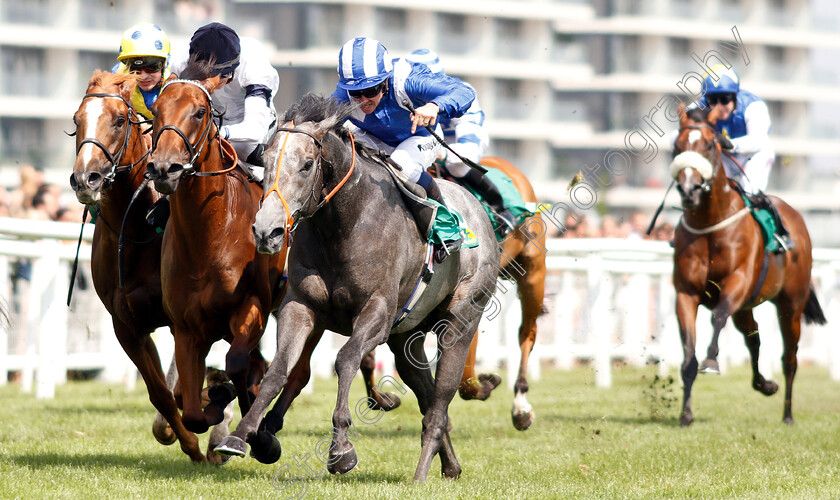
pixel 34 198
pixel 631 227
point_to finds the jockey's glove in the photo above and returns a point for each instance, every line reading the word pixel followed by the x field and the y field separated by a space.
pixel 724 141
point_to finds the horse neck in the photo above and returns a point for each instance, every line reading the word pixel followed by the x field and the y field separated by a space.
pixel 116 199
pixel 195 195
pixel 720 203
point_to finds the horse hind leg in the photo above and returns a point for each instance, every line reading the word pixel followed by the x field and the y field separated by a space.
pixel 745 323
pixel 377 400
pixel 790 315
pixel 531 295
pixel 476 387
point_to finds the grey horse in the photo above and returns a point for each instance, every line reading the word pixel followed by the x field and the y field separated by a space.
pixel 355 258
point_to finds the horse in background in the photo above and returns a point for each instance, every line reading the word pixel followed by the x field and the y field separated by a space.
pixel 720 262
pixel 349 217
pixel 111 156
pixel 215 284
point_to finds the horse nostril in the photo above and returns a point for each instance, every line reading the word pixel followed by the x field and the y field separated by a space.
pixel 151 171
pixel 74 184
pixel 276 233
pixel 175 168
pixel 94 180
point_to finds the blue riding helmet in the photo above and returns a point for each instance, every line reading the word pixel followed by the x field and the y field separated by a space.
pixel 363 63
pixel 727 83
pixel 427 57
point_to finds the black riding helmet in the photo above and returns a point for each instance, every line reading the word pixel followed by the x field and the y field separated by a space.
pixel 218 41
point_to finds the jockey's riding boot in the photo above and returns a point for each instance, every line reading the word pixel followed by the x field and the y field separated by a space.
pixel 442 250
pixel 493 197
pixel 255 163
pixel 782 235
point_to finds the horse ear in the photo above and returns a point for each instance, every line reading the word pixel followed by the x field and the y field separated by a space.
pixel 713 115
pixel 684 121
pixel 212 83
pixel 127 86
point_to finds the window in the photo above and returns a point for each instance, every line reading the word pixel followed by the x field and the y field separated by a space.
pixel 393 29
pixel 508 102
pixel 23 70
pixel 22 140
pixel 91 61
pixel 452 34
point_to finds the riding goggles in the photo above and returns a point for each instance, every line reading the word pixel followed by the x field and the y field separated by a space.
pixel 369 92
pixel 147 64
pixel 724 99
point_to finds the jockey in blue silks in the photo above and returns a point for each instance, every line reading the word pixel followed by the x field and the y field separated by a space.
pixel 467 136
pixel 369 77
pixel 743 125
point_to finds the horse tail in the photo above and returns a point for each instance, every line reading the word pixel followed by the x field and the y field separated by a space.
pixel 813 311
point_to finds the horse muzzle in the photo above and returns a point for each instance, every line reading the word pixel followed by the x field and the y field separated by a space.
pixel 87 186
pixel 165 176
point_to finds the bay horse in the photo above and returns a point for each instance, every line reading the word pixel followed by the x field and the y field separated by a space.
pixel 720 262
pixel 347 217
pixel 215 284
pixel 111 156
pixel 524 263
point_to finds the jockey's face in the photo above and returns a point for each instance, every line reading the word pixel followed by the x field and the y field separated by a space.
pixel 150 70
pixel 724 103
pixel 368 99
pixel 148 80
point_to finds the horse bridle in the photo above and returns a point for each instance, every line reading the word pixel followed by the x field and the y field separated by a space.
pixel 706 186
pixel 292 220
pixel 203 139
pixel 115 158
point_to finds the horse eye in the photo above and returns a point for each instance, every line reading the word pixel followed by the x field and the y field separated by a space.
pixel 120 121
pixel 201 112
pixel 308 164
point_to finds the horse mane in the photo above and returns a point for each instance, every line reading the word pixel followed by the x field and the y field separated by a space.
pixel 198 70
pixel 319 109
pixel 103 79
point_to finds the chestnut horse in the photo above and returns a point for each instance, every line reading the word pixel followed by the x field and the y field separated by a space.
pixel 526 265
pixel 215 284
pixel 110 161
pixel 720 262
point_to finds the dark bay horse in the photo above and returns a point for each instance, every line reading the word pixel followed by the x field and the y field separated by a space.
pixel 215 284
pixel 524 263
pixel 348 218
pixel 720 262
pixel 111 157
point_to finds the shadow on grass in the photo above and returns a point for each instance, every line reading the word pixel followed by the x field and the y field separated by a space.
pixel 179 469
pixel 665 422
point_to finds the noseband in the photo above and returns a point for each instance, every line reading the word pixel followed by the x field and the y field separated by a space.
pixel 189 167
pixel 706 186
pixel 115 158
pixel 292 220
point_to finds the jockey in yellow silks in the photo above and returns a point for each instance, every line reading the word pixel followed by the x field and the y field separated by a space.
pixel 144 51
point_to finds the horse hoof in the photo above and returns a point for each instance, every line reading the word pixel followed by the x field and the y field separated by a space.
pixel 710 366
pixel 768 387
pixel 216 459
pixel 344 463
pixel 386 401
pixel 479 388
pixel 788 420
pixel 231 446
pixel 685 420
pixel 451 472
pixel 221 394
pixel 522 421
pixel 163 434
pixel 265 447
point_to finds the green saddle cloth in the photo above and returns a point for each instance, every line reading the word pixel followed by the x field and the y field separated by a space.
pixel 449 225
pixel 510 196
pixel 767 223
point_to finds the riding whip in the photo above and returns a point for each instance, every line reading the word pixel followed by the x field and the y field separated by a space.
pixel 76 260
pixel 658 210
pixel 467 161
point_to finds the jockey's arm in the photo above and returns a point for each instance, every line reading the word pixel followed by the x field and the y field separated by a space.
pixel 257 119
pixel 757 118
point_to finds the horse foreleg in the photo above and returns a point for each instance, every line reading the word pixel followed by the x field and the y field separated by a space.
pixel 745 323
pixel 247 325
pixel 189 357
pixel 370 328
pixel 295 325
pixel 377 400
pixel 160 427
pixel 144 355
pixel 687 316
